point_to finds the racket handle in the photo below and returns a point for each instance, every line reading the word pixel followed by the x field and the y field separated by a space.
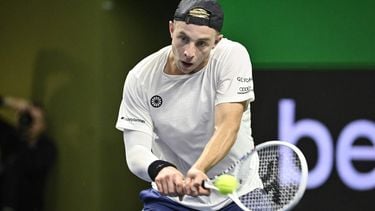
pixel 204 184
pixel 207 184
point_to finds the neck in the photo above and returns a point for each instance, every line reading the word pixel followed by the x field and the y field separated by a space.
pixel 170 67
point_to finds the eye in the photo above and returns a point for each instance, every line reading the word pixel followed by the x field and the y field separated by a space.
pixel 183 38
pixel 201 44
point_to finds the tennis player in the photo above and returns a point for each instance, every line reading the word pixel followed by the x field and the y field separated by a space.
pixel 185 113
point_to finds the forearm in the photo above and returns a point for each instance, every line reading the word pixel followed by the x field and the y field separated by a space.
pixel 217 148
pixel 227 123
pixel 138 153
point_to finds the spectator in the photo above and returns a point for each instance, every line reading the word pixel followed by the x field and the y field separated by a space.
pixel 27 155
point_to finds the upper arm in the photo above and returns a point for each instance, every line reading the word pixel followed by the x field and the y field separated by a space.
pixel 230 114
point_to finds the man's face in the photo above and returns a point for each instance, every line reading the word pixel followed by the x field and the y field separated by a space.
pixel 191 46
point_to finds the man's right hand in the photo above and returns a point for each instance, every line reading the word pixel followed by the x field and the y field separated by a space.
pixel 170 182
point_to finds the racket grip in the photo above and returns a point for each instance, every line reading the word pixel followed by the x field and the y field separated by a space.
pixel 207 184
pixel 204 185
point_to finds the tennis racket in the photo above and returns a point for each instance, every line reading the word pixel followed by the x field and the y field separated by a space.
pixel 283 172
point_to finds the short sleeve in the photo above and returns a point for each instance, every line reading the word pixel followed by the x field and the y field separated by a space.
pixel 235 82
pixel 133 113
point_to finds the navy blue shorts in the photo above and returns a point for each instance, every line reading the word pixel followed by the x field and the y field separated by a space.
pixel 154 201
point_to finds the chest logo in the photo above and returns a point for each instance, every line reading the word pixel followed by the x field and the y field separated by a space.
pixel 156 101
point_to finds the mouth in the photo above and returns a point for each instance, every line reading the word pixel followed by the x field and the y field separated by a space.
pixel 186 64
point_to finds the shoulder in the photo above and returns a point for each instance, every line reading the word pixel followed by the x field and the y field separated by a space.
pixel 226 46
pixel 145 71
pixel 228 52
pixel 153 61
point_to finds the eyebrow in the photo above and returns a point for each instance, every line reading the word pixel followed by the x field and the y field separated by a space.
pixel 200 39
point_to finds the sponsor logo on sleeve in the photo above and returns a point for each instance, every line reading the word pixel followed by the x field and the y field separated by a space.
pixel 244 79
pixel 245 90
pixel 133 119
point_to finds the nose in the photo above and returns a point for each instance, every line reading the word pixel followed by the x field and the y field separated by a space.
pixel 189 51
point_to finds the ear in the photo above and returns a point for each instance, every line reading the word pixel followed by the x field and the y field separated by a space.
pixel 171 28
pixel 218 38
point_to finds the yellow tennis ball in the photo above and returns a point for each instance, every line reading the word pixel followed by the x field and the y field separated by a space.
pixel 226 184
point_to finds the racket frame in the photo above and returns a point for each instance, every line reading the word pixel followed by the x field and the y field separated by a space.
pixel 302 184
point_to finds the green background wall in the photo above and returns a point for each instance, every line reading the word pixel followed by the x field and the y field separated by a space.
pixel 74 55
pixel 296 34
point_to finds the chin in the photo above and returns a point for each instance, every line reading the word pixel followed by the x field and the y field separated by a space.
pixel 184 70
pixel 188 71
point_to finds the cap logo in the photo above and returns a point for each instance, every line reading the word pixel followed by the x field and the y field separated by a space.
pixel 199 13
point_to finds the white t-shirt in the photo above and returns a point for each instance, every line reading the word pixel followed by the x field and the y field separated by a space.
pixel 179 110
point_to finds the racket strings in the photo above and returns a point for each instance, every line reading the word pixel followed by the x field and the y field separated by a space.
pixel 279 170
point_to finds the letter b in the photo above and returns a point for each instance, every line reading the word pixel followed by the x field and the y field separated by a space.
pixel 292 131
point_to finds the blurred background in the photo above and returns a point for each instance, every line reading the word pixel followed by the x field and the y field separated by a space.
pixel 313 64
